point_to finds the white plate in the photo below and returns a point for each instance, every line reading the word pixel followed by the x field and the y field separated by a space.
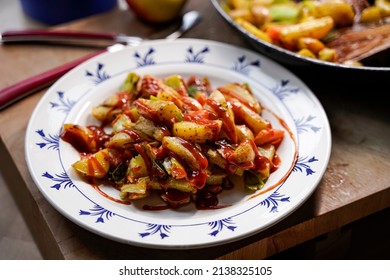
pixel 286 98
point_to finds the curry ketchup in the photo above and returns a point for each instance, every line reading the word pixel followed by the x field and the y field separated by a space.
pixel 196 176
pixel 85 139
pixel 94 165
pixel 174 169
pixel 228 124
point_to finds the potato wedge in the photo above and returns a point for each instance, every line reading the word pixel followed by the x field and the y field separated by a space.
pixel 174 168
pixel 267 151
pixel 149 128
pixel 152 86
pixel 111 107
pixel 243 132
pixel 125 137
pixel 177 83
pixel 197 133
pixel 171 96
pixel 312 44
pixel 244 153
pixel 81 137
pixel 217 103
pixel 314 28
pixel 94 165
pixel 120 140
pixel 248 117
pixel 242 93
pixel 271 136
pixel 341 11
pixel 158 110
pixel 105 113
pixel 121 122
pixel 246 24
pixel 187 151
pixel 216 158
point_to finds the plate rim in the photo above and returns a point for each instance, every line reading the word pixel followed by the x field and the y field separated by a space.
pixel 183 246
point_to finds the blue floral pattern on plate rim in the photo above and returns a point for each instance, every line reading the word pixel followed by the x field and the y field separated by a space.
pixel 69 100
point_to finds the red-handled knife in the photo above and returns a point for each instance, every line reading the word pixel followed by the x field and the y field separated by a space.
pixel 15 92
pixel 67 37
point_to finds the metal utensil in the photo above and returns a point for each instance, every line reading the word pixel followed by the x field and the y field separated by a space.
pixel 15 92
pixel 189 20
pixel 71 37
pixel 67 37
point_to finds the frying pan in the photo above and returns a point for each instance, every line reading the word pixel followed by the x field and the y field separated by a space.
pixel 376 69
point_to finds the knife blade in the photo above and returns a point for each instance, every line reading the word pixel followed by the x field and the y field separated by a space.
pixel 19 90
pixel 90 38
pixel 15 92
pixel 67 37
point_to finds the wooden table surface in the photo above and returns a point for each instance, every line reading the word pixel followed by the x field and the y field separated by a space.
pixel 355 185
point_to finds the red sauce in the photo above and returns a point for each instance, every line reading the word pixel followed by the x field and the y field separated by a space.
pixel 191 104
pixel 153 169
pixel 228 125
pixel 177 101
pixel 123 99
pixel 200 117
pixel 156 207
pixel 231 93
pixel 152 114
pixel 143 109
pixel 165 130
pixel 277 161
pixel 135 137
pixel 123 102
pixel 94 165
pixel 161 152
pixel 206 197
pixel 175 197
pixel 260 161
pixel 99 190
pixel 197 178
pixel 83 141
pixel 197 154
pixel 149 86
pixel 202 85
pixel 208 200
pixel 178 172
pixel 182 88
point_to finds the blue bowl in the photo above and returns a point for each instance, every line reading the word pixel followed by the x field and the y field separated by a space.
pixel 54 12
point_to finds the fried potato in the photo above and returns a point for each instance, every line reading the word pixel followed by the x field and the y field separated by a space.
pixel 250 118
pixel 197 133
pixel 94 165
